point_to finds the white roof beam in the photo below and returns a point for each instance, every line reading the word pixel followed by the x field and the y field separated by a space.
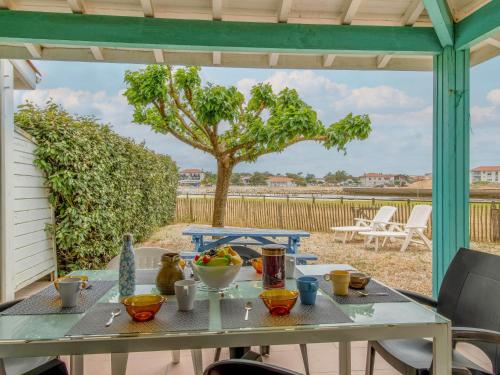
pixel 97 53
pixel 328 60
pixel 383 60
pixel 76 6
pixel 273 59
pixel 159 58
pixel 493 42
pixel 147 8
pixel 217 10
pixel 350 11
pixel 284 10
pixel 35 50
pixel 217 58
pixel 413 12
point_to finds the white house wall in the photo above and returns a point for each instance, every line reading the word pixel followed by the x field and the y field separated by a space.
pixel 33 246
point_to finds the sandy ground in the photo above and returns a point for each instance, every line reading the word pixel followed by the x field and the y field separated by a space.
pixel 410 270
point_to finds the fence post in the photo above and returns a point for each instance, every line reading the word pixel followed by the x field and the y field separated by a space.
pixel 313 198
pixel 190 205
pixel 494 222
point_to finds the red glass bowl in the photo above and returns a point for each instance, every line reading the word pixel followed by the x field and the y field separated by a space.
pixel 257 264
pixel 279 301
pixel 143 307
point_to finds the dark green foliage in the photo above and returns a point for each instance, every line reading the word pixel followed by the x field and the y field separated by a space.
pixel 101 185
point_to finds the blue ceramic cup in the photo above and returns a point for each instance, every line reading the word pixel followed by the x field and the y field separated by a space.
pixel 308 288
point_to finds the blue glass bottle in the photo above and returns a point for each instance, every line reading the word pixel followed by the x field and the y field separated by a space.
pixel 126 283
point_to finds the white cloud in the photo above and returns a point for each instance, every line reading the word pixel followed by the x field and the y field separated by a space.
pixel 494 97
pixel 412 118
pixel 306 82
pixel 483 114
pixel 378 97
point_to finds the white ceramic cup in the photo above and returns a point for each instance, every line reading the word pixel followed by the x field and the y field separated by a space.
pixel 185 292
pixel 69 290
pixel 289 266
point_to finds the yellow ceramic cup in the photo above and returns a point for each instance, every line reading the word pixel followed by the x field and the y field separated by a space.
pixel 340 281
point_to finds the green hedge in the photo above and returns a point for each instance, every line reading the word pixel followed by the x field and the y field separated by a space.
pixel 101 185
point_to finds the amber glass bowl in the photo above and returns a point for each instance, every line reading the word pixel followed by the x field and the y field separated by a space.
pixel 279 301
pixel 143 307
pixel 84 279
pixel 257 264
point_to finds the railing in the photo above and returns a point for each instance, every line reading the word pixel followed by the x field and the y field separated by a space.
pixel 318 215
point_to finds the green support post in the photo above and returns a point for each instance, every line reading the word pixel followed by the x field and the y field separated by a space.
pixel 450 182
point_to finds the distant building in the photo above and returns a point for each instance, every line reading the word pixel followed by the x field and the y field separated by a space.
pixel 191 177
pixel 280 181
pixel 381 179
pixel 485 173
pixel 246 179
pixel 376 179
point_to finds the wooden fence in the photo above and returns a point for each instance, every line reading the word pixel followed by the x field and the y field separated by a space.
pixel 319 215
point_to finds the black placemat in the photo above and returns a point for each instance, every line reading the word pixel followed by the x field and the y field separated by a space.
pixel 354 298
pixel 168 319
pixel 323 312
pixel 47 301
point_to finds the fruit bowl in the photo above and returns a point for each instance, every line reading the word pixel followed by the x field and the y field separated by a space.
pixel 217 277
pixel 279 301
pixel 143 307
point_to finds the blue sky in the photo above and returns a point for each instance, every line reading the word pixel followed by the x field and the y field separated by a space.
pixel 399 104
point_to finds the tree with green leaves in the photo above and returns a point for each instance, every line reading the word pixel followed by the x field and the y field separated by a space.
pixel 219 120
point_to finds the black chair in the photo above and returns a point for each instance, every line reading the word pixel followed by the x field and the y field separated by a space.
pixel 245 367
pixel 470 297
pixel 30 365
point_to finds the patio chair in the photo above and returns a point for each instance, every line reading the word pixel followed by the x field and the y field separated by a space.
pixel 411 232
pixel 379 222
pixel 30 365
pixel 245 367
pixel 470 297
pixel 148 258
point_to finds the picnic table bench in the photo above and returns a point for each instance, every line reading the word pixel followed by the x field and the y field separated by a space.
pixel 247 237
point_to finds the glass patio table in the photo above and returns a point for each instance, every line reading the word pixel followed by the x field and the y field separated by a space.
pixel 37 335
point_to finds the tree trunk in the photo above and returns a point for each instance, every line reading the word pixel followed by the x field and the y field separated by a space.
pixel 224 171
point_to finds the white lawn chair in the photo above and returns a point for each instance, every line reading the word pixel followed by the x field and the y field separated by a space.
pixel 415 227
pixel 149 258
pixel 379 222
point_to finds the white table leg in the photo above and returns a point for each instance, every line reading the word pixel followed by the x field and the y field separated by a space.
pixel 76 365
pixel 305 357
pixel 197 358
pixel 176 356
pixel 442 351
pixel 344 358
pixel 119 363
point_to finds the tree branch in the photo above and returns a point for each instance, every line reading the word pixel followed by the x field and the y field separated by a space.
pixel 196 143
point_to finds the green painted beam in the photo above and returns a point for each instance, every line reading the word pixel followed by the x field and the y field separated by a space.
pixel 450 175
pixel 441 19
pixel 480 25
pixel 145 32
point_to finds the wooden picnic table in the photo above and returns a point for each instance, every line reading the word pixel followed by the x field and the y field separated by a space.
pixel 250 236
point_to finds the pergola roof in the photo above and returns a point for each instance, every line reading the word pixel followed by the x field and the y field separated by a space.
pixel 222 32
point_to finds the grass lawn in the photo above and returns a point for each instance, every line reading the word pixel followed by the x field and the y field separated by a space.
pixel 410 270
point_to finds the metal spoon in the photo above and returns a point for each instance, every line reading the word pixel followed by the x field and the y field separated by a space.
pixel 248 307
pixel 365 294
pixel 114 314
